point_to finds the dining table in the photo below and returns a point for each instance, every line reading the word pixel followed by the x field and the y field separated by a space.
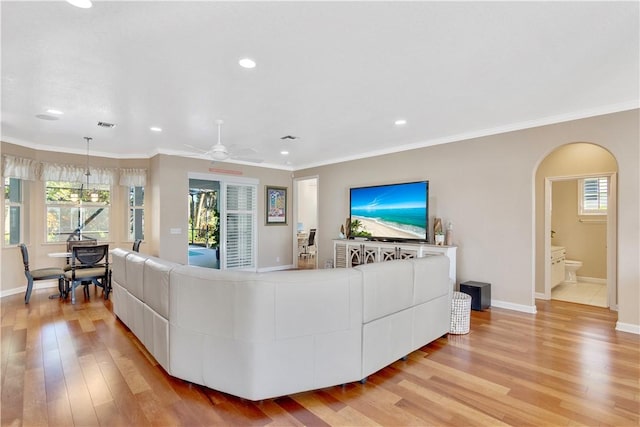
pixel 61 255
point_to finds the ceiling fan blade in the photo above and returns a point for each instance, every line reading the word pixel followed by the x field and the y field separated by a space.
pixel 193 147
pixel 249 159
pixel 242 151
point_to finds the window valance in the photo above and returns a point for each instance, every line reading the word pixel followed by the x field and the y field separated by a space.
pixel 29 169
pixel 73 173
pixel 18 167
pixel 132 177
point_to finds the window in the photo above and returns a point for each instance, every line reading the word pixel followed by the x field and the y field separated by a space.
pixel 593 195
pixel 12 211
pixel 74 210
pixel 136 213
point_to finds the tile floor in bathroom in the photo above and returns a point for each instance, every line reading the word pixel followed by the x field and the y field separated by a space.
pixel 581 293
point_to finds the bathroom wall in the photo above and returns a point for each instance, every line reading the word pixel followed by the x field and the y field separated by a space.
pixel 585 241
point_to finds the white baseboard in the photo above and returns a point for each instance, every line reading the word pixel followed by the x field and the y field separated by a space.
pixel 531 309
pixel 40 284
pixel 628 327
pixel 591 280
pixel 540 295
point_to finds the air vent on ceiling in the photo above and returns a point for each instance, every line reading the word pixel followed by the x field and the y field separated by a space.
pixel 106 125
pixel 289 137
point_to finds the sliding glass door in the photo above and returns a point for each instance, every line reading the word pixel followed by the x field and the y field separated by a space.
pixel 223 222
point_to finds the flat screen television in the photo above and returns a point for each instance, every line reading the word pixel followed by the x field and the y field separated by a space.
pixel 392 212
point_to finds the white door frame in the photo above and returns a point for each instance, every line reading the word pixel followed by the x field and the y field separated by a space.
pixel 612 236
pixel 296 201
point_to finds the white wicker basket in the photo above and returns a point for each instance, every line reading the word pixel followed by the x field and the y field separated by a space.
pixel 460 313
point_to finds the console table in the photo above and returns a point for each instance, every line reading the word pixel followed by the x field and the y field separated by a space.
pixel 349 253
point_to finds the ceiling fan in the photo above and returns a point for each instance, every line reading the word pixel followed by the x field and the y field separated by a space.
pixel 219 152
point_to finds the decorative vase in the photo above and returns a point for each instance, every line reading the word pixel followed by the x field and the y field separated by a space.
pixel 448 240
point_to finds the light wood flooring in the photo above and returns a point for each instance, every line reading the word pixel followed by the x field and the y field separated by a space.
pixel 306 263
pixel 66 365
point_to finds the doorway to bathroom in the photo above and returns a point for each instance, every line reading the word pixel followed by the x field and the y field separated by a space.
pixel 579 238
pixel 577 258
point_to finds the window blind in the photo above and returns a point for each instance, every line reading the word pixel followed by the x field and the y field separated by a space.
pixel 595 193
pixel 240 225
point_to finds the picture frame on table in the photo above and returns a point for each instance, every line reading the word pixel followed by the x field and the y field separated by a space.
pixel 276 205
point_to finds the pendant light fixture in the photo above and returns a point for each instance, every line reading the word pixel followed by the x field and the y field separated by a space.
pixel 94 197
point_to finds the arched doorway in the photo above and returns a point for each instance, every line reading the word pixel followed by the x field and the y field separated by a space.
pixel 584 235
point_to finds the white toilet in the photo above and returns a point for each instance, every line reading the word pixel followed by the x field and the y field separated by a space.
pixel 570 269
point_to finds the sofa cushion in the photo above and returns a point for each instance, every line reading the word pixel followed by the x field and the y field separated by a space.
pixel 118 258
pixel 309 302
pixel 387 288
pixel 155 287
pixel 431 278
pixel 135 274
pixel 221 302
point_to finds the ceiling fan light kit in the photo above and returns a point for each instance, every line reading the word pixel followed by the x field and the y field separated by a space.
pixel 219 152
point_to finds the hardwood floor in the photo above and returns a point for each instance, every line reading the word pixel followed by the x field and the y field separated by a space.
pixel 65 365
pixel 306 263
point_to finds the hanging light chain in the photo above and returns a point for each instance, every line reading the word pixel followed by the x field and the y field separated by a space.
pixel 94 194
pixel 88 172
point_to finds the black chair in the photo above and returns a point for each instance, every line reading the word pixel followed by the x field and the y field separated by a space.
pixel 47 273
pixel 309 250
pixel 89 264
pixel 72 243
pixel 136 245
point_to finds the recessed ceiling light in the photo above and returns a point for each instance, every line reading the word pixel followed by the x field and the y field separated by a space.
pixel 284 152
pixel 52 111
pixel 247 63
pixel 155 129
pixel 400 122
pixel 84 4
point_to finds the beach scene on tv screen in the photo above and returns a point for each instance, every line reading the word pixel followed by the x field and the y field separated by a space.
pixel 396 211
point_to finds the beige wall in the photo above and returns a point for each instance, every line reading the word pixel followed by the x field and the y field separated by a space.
pixel 584 241
pixel 170 187
pixel 569 160
pixel 487 188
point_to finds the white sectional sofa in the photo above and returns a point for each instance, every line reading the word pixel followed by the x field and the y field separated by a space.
pixel 263 335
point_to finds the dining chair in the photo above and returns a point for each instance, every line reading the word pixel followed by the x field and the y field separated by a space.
pixel 309 249
pixel 72 243
pixel 89 264
pixel 47 273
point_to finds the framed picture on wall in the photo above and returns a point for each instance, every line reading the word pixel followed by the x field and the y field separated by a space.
pixel 276 205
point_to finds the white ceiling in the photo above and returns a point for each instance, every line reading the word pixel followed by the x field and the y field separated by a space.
pixel 335 74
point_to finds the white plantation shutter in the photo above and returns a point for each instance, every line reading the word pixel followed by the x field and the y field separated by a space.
pixel 594 195
pixel 241 221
